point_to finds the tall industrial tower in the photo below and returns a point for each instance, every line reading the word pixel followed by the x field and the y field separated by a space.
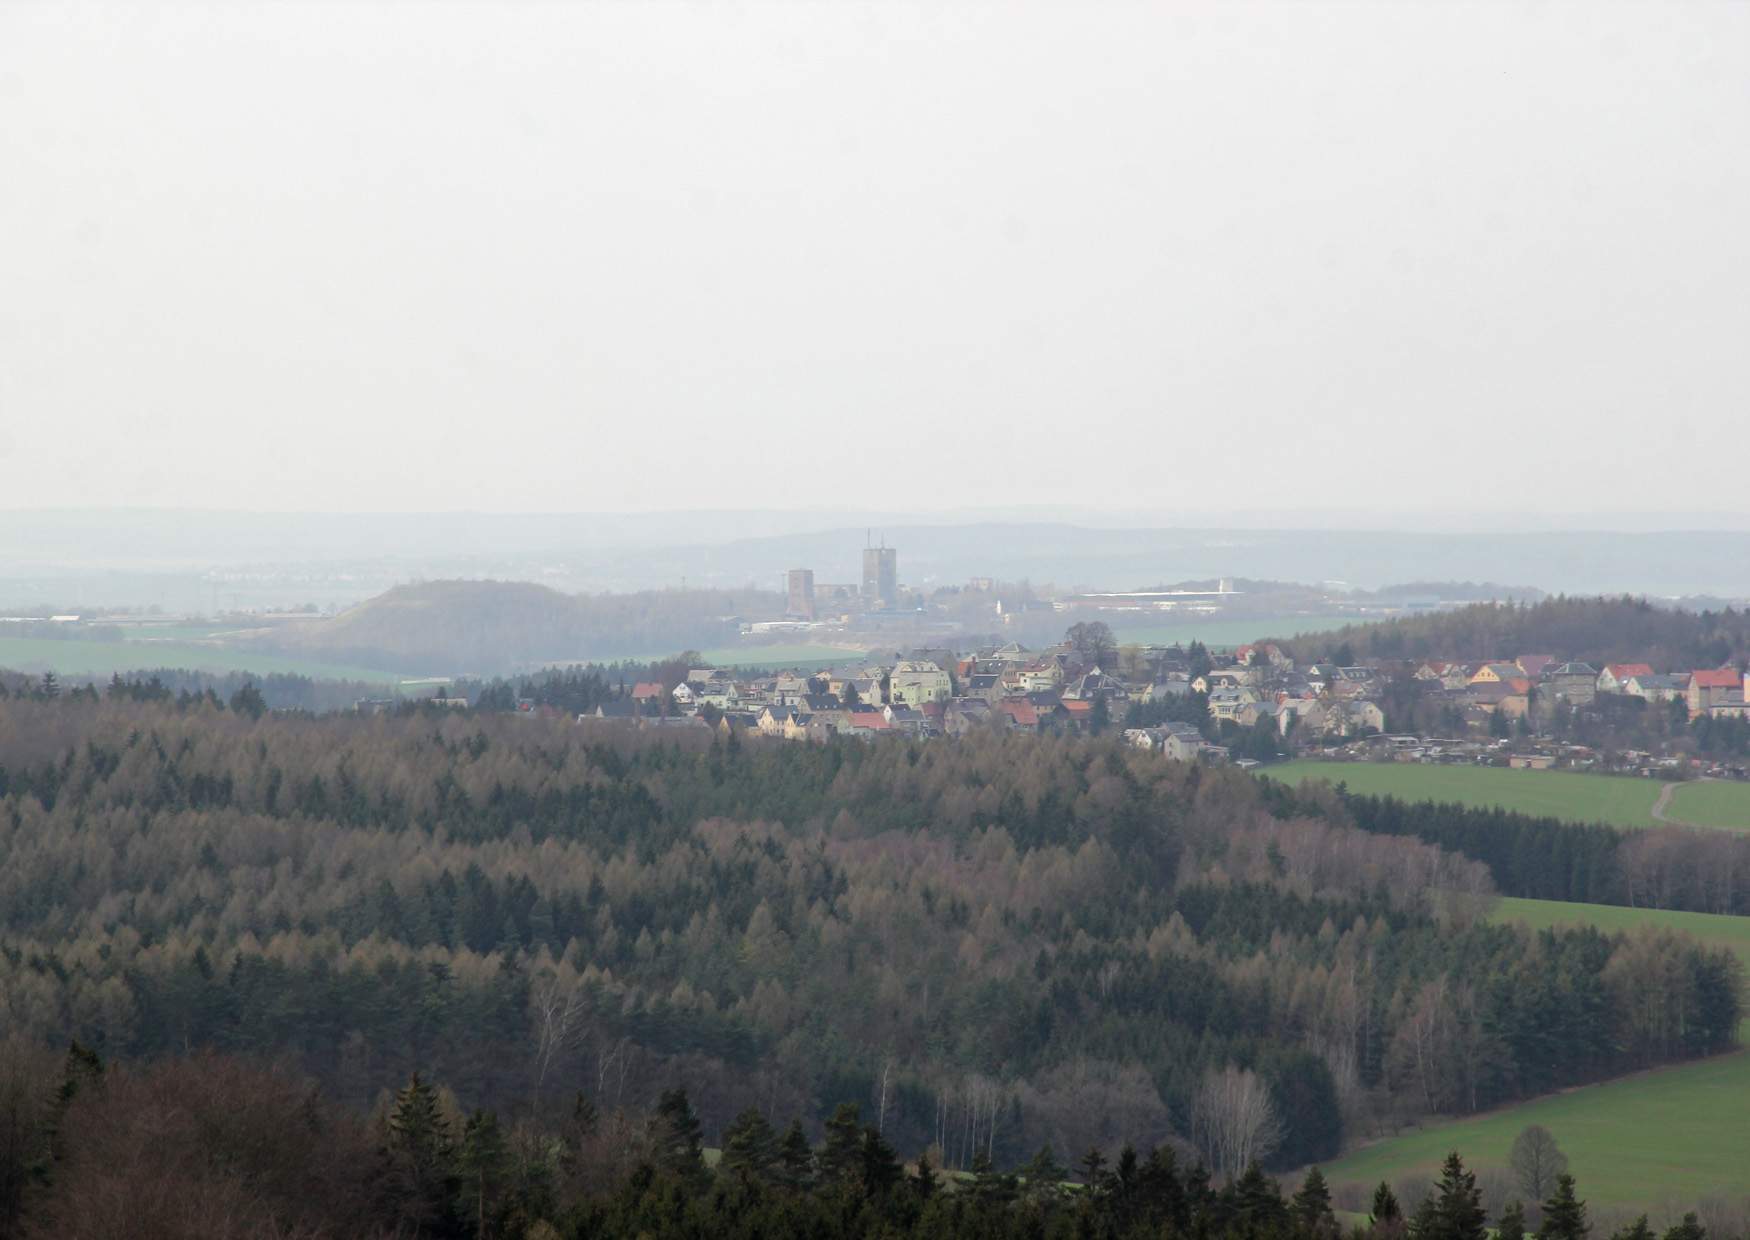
pixel 800 585
pixel 881 577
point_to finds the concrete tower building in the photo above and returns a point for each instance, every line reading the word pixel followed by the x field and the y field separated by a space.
pixel 881 577
pixel 800 583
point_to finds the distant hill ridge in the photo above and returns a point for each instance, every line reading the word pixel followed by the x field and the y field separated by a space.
pixel 1595 630
pixel 448 627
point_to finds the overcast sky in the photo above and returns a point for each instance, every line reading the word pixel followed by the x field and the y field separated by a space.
pixel 599 256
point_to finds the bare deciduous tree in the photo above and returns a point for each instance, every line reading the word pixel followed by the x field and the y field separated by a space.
pixel 1233 1121
pixel 1537 1162
pixel 881 1107
pixel 557 1009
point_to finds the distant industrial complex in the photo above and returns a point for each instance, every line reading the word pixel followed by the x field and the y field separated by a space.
pixel 879 591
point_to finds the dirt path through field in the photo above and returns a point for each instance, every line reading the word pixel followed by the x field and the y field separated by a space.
pixel 1664 803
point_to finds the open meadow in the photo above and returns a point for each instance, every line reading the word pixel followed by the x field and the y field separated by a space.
pixel 1711 803
pixel 1673 1134
pixel 1616 799
pixel 1223 633
pixel 101 659
pixel 799 656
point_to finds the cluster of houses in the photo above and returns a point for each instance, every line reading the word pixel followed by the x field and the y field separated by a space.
pixel 928 693
pixel 1514 687
pixel 942 692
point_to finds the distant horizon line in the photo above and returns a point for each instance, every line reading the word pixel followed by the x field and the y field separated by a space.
pixel 1353 520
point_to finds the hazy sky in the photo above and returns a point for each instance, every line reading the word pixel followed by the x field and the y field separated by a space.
pixel 614 255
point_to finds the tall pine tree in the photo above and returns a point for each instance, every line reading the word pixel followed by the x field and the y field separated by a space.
pixel 680 1146
pixel 1564 1216
pixel 1311 1206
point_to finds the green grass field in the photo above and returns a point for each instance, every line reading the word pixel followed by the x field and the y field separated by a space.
pixel 102 659
pixel 1712 803
pixel 799 655
pixel 1224 634
pixel 1617 799
pixel 1713 928
pixel 1672 1134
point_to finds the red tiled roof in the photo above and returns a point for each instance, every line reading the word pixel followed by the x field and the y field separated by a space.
pixel 1020 710
pixel 1716 678
pixel 646 689
pixel 870 719
pixel 1622 671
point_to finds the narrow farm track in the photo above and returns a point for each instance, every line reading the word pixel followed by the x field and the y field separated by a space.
pixel 1664 803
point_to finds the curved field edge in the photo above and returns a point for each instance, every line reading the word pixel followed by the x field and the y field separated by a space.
pixel 1712 803
pixel 1669 1135
pixel 1619 800
pixel 1715 929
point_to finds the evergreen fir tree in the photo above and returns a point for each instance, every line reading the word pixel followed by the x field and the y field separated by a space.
pixel 841 1156
pixel 795 1169
pixel 482 1160
pixel 1197 1191
pixel 1688 1229
pixel 419 1154
pixel 1092 1168
pixel 83 1067
pixel 584 1116
pixel 1458 1209
pixel 925 1184
pixel 1385 1205
pixel 1163 1196
pixel 989 1187
pixel 750 1147
pixel 1511 1225
pixel 1564 1216
pixel 1638 1230
pixel 1311 1206
pixel 680 1146
pixel 1257 1201
pixel 248 701
pixel 1425 1222
pixel 880 1168
pixel 1043 1176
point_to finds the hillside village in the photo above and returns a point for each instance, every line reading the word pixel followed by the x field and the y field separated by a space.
pixel 1251 704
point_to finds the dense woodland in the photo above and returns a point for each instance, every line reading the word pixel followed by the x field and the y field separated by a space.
pixel 992 944
pixel 1595 630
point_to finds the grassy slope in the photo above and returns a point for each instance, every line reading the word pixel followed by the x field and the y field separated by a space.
pixel 1672 1134
pixel 1712 928
pixel 1712 803
pixel 1617 799
pixel 86 658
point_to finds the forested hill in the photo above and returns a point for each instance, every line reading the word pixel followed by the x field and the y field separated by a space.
pixel 484 627
pixel 999 943
pixel 1595 630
